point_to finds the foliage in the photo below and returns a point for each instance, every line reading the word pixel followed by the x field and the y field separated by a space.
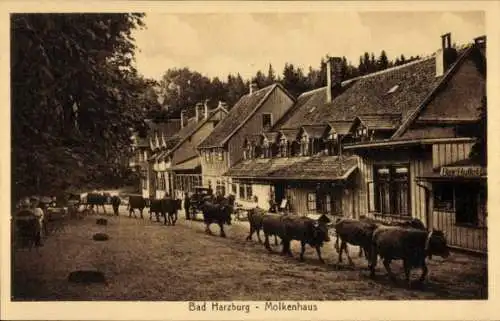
pixel 75 94
pixel 183 88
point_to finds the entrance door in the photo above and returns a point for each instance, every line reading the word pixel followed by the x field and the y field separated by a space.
pixel 279 192
pixel 466 204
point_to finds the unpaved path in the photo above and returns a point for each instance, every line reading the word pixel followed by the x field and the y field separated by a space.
pixel 145 260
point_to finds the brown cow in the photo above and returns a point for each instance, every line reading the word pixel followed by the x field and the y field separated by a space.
pixel 407 244
pixel 219 214
pixel 307 231
pixel 255 218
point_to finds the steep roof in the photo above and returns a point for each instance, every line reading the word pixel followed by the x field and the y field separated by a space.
pixel 239 114
pixel 191 127
pixel 396 90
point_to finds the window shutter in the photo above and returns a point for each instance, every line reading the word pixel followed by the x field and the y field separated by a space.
pixel 371 196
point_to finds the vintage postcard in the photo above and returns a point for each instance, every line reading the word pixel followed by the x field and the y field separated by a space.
pixel 249 160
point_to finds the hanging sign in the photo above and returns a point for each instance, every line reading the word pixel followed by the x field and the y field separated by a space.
pixel 463 171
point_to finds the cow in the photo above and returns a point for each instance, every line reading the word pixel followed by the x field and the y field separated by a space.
pixel 307 231
pixel 255 217
pixel 217 213
pixel 167 208
pixel 413 222
pixel 115 202
pixel 355 232
pixel 408 244
pixel 96 199
pixel 136 202
pixel 272 224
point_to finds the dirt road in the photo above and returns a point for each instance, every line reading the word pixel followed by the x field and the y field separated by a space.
pixel 145 260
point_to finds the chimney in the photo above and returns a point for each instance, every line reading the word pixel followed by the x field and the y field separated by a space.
pixel 333 77
pixel 205 111
pixel 183 118
pixel 253 87
pixel 445 56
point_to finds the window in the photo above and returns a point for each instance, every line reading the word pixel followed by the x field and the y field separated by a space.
pixel 249 192
pixel 444 197
pixel 282 148
pixel 304 146
pixel 391 189
pixel 242 191
pixel 330 202
pixel 311 201
pixel 161 182
pixel 144 179
pixel 267 121
pixel 220 155
pixel 234 189
pixel 220 188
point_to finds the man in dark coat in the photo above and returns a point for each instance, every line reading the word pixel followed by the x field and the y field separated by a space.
pixel 187 205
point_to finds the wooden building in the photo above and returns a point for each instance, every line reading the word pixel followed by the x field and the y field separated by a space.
pixel 390 144
pixel 254 112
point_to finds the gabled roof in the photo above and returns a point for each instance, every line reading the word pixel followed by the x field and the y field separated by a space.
pixel 377 121
pixel 444 82
pixel 315 131
pixel 192 127
pixel 341 127
pixel 239 115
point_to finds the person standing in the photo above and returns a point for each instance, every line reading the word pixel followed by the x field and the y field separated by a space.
pixel 39 215
pixel 187 205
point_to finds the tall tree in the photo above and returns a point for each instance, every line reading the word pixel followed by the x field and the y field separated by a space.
pixel 271 75
pixel 383 61
pixel 74 95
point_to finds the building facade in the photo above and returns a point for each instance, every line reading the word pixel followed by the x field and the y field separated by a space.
pixel 392 144
pixel 256 111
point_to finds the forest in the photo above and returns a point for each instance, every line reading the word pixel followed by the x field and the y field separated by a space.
pixel 181 88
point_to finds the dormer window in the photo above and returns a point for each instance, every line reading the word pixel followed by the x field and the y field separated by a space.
pixel 266 151
pixel 283 147
pixel 304 145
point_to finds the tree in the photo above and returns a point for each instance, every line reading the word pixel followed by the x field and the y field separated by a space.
pixel 75 94
pixel 260 79
pixel 271 76
pixel 383 61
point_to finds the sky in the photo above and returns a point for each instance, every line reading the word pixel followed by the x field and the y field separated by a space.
pixel 219 44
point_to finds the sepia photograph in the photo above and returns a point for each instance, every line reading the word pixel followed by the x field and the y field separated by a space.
pixel 218 158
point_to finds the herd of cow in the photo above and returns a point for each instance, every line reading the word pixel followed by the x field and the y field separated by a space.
pixel 408 241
